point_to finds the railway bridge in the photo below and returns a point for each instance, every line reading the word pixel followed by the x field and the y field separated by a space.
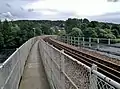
pixel 46 63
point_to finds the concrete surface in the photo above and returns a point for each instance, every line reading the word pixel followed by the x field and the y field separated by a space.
pixel 34 76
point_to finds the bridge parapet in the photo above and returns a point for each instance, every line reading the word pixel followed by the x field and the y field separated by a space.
pixel 12 69
pixel 65 72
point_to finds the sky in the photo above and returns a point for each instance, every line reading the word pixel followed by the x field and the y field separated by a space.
pixel 100 10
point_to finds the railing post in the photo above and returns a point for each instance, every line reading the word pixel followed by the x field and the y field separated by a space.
pixel 98 41
pixel 63 38
pixel 89 41
pixel 108 41
pixel 67 39
pixel 83 41
pixel 62 68
pixel 93 78
pixel 71 40
pixel 78 41
pixel 74 40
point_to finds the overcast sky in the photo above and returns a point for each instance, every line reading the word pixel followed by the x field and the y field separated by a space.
pixel 100 10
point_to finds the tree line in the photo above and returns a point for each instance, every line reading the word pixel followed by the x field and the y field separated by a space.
pixel 15 33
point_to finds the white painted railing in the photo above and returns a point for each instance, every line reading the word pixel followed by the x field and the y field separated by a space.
pixel 12 69
pixel 90 41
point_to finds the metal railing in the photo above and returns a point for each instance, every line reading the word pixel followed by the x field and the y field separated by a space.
pixel 65 72
pixel 88 41
pixel 12 69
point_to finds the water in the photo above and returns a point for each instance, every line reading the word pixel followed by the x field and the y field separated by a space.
pixel 113 52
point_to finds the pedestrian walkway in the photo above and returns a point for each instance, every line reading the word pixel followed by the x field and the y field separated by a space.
pixel 34 76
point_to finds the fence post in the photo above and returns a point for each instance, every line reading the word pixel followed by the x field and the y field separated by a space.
pixel 67 39
pixel 62 37
pixel 108 41
pixel 98 41
pixel 78 41
pixel 74 40
pixel 83 41
pixel 71 40
pixel 62 68
pixel 89 41
pixel 93 78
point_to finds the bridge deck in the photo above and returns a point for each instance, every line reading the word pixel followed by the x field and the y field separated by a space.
pixel 34 76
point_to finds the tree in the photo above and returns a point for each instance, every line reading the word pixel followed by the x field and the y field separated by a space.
pixel 85 21
pixel 93 24
pixel 1 40
pixel 90 32
pixel 115 32
pixel 76 32
pixel 62 33
pixel 46 29
pixel 71 23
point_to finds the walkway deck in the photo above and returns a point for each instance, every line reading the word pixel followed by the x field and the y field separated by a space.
pixel 34 76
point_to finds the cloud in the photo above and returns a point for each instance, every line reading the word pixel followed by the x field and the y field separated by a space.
pixel 60 9
pixel 81 7
pixel 8 5
pixel 108 17
pixel 6 15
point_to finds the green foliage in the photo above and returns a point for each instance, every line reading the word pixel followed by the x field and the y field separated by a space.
pixel 92 29
pixel 15 33
pixel 71 23
pixel 76 32
pixel 1 40
pixel 90 32
pixel 61 32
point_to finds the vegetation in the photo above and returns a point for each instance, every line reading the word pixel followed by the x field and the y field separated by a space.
pixel 15 33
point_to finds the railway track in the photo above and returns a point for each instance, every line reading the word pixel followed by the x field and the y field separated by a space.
pixel 105 67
